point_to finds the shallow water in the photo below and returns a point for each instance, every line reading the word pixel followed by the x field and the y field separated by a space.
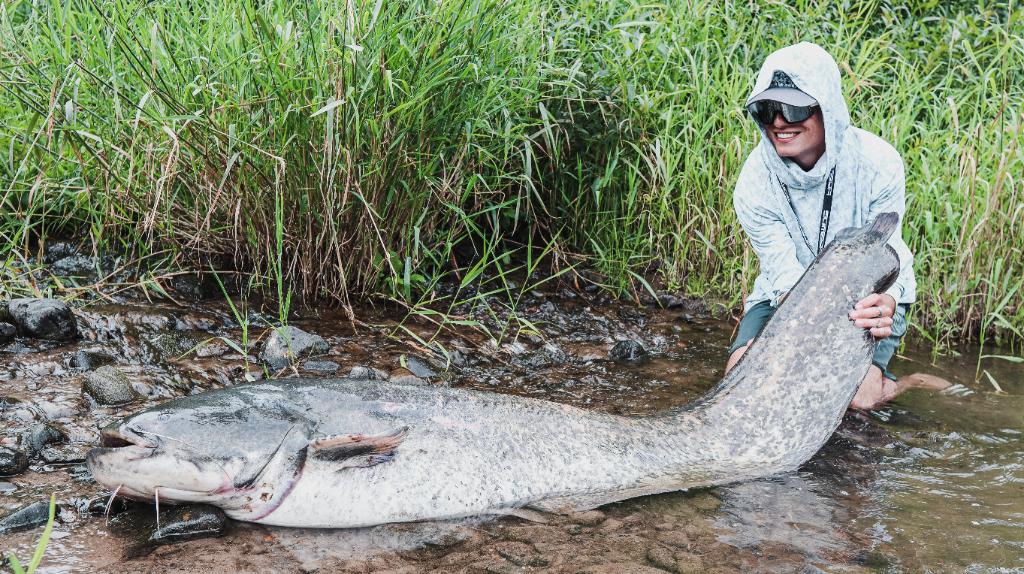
pixel 933 482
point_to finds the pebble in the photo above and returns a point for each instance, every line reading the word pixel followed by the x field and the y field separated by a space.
pixel 8 488
pixel 109 386
pixel 214 348
pixel 12 462
pixel 87 359
pixel 286 344
pixel 369 373
pixel 40 435
pixel 419 368
pixel 588 518
pixel 627 351
pixel 25 518
pixel 7 333
pixel 177 524
pixel 321 366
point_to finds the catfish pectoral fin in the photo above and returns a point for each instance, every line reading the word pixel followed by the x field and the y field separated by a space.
pixel 359 449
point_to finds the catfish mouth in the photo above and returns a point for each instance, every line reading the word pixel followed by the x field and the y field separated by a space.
pixel 124 437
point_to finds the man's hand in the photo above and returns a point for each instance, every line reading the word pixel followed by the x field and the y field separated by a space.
pixel 875 312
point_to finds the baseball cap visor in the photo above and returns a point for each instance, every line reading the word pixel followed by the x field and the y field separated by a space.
pixel 791 96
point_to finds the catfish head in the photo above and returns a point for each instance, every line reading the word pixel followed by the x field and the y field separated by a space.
pixel 242 451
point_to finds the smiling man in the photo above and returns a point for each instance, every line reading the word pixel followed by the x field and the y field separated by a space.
pixel 812 175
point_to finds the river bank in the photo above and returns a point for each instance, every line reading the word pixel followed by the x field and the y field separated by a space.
pixel 869 501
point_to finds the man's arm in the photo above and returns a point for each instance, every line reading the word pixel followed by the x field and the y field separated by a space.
pixel 772 243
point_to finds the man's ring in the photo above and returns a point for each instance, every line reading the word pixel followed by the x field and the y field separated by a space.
pixel 878 323
pixel 879 311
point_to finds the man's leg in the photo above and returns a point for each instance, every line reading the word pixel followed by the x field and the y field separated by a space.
pixel 735 357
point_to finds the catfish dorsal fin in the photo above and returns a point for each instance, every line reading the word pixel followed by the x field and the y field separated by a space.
pixel 357 450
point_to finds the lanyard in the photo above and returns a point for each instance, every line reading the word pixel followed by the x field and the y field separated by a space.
pixel 826 211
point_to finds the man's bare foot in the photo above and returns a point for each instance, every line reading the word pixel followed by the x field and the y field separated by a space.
pixel 877 390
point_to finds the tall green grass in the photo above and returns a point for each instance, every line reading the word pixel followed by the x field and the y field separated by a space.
pixel 344 149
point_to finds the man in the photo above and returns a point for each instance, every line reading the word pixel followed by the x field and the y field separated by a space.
pixel 812 175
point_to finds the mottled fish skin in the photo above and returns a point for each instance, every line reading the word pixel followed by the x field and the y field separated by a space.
pixel 414 453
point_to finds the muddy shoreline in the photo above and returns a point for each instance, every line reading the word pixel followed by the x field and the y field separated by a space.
pixel 575 349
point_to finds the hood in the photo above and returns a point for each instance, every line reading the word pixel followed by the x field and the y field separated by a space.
pixel 814 71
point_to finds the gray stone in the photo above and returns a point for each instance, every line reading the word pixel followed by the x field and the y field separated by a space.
pixel 74 266
pixel 109 386
pixel 43 318
pixel 7 333
pixel 25 518
pixel 419 368
pixel 177 524
pixel 39 435
pixel 62 455
pixel 212 348
pixel 8 488
pixel 288 344
pixel 87 359
pixel 12 462
pixel 321 366
pixel 361 372
pixel 627 351
pixel 57 250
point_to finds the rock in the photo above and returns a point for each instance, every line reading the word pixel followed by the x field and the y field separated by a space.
pixel 177 524
pixel 588 518
pixel 74 266
pixel 688 563
pixel 7 488
pixel 98 505
pixel 12 462
pixel 87 359
pixel 419 368
pixel 520 554
pixel 7 333
pixel 287 344
pixel 361 372
pixel 25 518
pixel 674 538
pixel 196 286
pixel 627 351
pixel 402 376
pixel 62 455
pixel 171 345
pixel 212 348
pixel 321 366
pixel 109 386
pixel 661 557
pixel 43 318
pixel 57 250
pixel 40 435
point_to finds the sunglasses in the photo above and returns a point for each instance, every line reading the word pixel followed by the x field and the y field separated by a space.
pixel 764 111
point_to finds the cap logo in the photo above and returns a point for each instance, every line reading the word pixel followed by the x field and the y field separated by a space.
pixel 781 80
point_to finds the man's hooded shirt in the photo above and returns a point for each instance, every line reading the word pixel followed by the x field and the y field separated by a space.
pixel 869 180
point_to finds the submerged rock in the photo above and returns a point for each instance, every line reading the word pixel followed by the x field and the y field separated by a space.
pixel 109 386
pixel 627 351
pixel 178 524
pixel 288 344
pixel 12 462
pixel 7 333
pixel 25 518
pixel 74 266
pixel 43 318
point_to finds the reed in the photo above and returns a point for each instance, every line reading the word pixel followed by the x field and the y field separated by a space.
pixel 341 149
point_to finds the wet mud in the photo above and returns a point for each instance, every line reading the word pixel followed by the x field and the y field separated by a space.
pixel 933 482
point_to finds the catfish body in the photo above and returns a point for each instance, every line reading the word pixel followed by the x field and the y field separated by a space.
pixel 352 452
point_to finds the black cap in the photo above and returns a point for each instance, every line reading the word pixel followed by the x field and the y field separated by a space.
pixel 782 89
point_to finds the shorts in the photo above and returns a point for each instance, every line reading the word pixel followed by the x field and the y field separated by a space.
pixel 757 317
